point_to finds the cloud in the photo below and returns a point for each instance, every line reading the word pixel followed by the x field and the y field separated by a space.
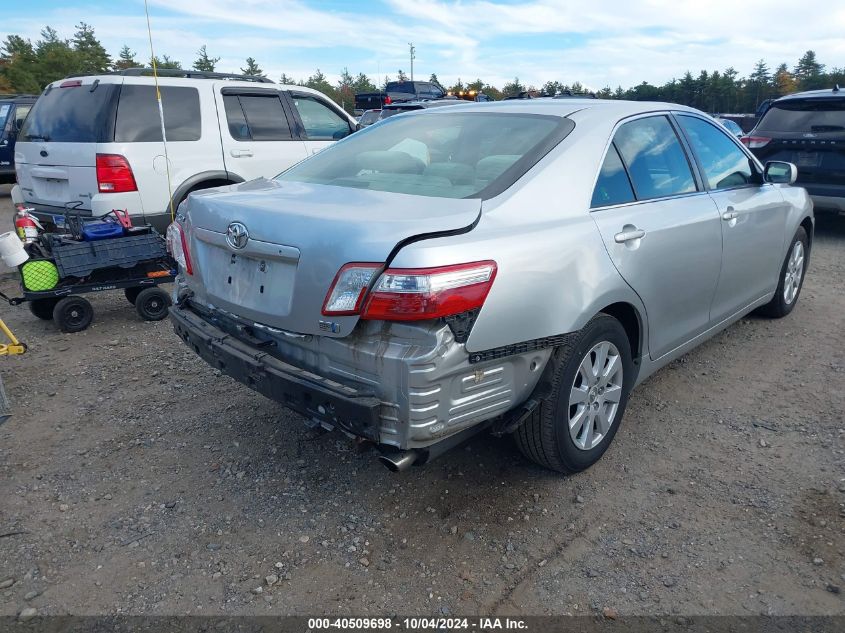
pixel 605 42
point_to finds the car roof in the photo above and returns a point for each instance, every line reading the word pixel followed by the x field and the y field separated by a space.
pixel 830 93
pixel 18 98
pixel 565 107
pixel 164 80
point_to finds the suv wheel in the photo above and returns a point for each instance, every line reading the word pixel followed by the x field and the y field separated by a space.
pixel 593 375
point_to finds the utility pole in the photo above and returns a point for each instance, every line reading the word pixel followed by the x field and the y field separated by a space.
pixel 413 56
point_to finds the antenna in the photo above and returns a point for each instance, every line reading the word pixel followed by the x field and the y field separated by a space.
pixel 413 57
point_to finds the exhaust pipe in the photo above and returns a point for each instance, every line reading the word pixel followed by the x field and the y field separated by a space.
pixel 400 461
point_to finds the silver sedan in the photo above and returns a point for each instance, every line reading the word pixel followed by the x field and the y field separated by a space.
pixel 517 267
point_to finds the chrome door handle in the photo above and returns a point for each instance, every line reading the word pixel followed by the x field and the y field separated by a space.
pixel 627 236
pixel 238 153
pixel 730 215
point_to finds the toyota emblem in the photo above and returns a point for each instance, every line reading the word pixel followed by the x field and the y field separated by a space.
pixel 236 235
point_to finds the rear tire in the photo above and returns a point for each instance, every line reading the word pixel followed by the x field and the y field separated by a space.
pixel 73 314
pixel 152 304
pixel 43 308
pixel 592 407
pixel 792 274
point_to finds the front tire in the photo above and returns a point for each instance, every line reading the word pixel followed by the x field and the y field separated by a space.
pixel 73 314
pixel 792 274
pixel 593 375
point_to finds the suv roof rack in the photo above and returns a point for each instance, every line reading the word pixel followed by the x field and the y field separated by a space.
pixel 17 95
pixel 178 72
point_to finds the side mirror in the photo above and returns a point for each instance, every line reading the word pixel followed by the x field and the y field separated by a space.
pixel 780 172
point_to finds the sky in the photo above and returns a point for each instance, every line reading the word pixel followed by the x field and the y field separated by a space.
pixel 599 42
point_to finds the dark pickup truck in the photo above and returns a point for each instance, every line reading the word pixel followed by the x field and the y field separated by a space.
pixel 397 92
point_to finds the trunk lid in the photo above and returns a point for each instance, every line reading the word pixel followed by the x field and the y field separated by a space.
pixel 299 236
pixel 57 149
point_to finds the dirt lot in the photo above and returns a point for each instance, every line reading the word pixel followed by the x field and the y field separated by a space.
pixel 135 480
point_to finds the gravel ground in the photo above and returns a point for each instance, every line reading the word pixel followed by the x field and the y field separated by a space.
pixel 135 480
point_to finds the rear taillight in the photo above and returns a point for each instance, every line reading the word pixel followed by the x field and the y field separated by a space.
pixel 755 142
pixel 388 100
pixel 177 246
pixel 348 288
pixel 114 175
pixel 415 294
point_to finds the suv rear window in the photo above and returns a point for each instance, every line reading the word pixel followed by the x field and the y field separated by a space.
pixel 805 115
pixel 138 118
pixel 445 155
pixel 75 114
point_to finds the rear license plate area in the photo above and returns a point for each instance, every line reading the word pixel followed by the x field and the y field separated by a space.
pixel 807 159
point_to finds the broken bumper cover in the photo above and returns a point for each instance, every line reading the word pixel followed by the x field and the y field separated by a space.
pixel 313 396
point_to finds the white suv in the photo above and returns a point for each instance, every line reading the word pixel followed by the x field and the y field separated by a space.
pixel 95 142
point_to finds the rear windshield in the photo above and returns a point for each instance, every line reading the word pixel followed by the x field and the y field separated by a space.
pixel 449 155
pixel 810 115
pixel 74 114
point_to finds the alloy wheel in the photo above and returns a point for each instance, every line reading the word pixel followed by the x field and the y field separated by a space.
pixel 794 273
pixel 595 395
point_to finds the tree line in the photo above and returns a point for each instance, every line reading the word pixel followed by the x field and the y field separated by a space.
pixel 27 67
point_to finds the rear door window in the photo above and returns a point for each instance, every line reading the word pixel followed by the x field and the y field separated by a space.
pixel 816 116
pixel 5 108
pixel 656 161
pixel 321 122
pixel 138 119
pixel 613 185
pixel 256 117
pixel 73 114
pixel 723 164
pixel 21 111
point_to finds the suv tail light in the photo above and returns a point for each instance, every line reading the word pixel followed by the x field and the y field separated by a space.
pixel 755 142
pixel 114 175
pixel 177 246
pixel 388 100
pixel 416 294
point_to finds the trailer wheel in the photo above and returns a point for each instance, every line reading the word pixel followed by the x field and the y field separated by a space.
pixel 43 308
pixel 152 304
pixel 73 314
pixel 132 294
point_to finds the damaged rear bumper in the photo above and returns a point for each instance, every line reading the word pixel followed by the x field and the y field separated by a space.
pixel 313 396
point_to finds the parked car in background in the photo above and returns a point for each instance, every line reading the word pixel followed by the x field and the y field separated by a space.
pixel 397 92
pixel 807 129
pixel 96 141
pixel 13 111
pixel 516 266
pixel 731 126
pixel 369 117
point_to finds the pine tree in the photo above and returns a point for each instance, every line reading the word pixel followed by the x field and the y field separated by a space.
pixel 54 57
pixel 402 76
pixel 252 68
pixel 126 59
pixel 433 79
pixel 290 81
pixel 362 83
pixel 91 56
pixel 18 65
pixel 346 91
pixel 760 79
pixel 166 63
pixel 204 62
pixel 513 88
pixel 809 71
